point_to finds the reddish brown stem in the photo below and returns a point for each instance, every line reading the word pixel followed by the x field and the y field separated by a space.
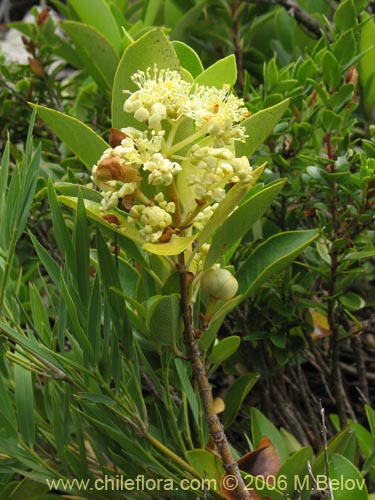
pixel 205 389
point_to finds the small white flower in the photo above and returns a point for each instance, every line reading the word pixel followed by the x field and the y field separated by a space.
pixel 162 169
pixel 162 93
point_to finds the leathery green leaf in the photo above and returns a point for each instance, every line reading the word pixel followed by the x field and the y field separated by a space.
pixel 188 388
pixel 271 256
pixel 206 464
pixel 262 426
pixel 225 208
pixel 188 58
pixel 224 349
pixel 346 480
pixel 295 468
pixel 173 247
pixel 259 126
pixel 82 249
pixel 241 221
pixel 222 72
pixel 78 137
pixel 96 54
pixel 152 48
pixel 23 385
pixel 236 394
pixel 164 320
pixel 111 219
pixel 97 14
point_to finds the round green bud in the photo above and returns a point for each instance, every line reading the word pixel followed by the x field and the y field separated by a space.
pixel 219 283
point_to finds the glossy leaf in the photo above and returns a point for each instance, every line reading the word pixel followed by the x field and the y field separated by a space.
pixel 259 126
pixel 96 54
pixel 271 256
pixel 241 221
pixel 78 137
pixel 346 481
pixel 94 212
pixel 97 14
pixel 337 444
pixel 24 395
pixel 262 426
pixel 164 320
pixel 236 394
pixel 226 207
pixel 188 58
pixel 173 247
pixel 222 72
pixel 295 469
pixel 224 349
pixel 366 63
pixel 152 48
pixel 206 464
pixel 182 372
pixel 345 15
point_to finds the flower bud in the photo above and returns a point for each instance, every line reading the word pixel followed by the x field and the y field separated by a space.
pixel 220 284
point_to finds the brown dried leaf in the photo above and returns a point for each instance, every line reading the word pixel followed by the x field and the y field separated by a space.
pixel 115 137
pixel 263 462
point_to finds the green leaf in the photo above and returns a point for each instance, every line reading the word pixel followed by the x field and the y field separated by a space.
pixel 24 394
pixel 187 388
pixel 96 13
pixel 337 444
pixel 39 315
pixel 235 396
pixel 98 57
pixel 352 301
pixel 73 315
pixel 331 70
pixel 241 221
pixel 222 72
pixel 78 137
pixel 7 413
pixel 94 318
pixel 206 464
pixel 152 48
pixel 164 320
pixel 371 419
pixel 95 212
pixel 68 189
pixel 47 261
pixel 224 349
pixel 81 250
pixel 4 171
pixel 173 247
pixel 294 470
pixel 60 230
pixel 226 207
pixel 345 15
pixel 188 58
pixel 35 347
pixel 346 481
pixel 271 256
pixel 259 126
pixel 262 426
pixel 345 48
pixel 150 11
pixel 366 63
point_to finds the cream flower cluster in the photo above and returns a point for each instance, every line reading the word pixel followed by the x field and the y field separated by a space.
pixel 154 219
pixel 186 129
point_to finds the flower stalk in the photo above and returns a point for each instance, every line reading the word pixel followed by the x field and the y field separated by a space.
pixel 205 389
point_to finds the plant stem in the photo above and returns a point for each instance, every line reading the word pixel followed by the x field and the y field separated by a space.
pixel 205 389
